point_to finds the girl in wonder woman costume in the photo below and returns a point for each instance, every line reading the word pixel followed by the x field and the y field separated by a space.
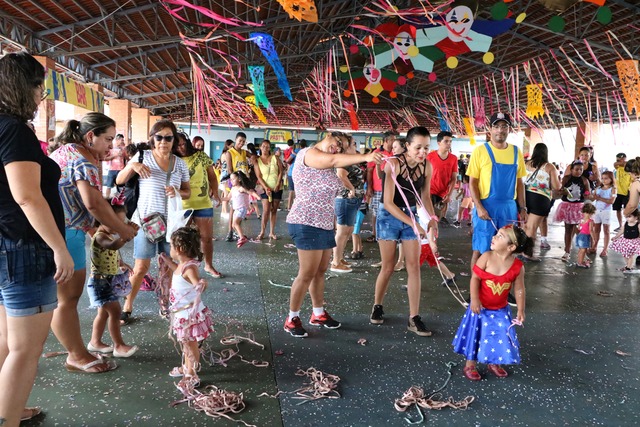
pixel 486 334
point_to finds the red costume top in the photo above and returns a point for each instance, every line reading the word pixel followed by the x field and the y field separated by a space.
pixel 494 289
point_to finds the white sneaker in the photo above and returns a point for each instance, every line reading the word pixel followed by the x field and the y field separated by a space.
pixel 340 268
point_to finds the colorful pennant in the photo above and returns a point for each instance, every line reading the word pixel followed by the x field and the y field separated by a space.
pixel 268 49
pixel 630 83
pixel 534 101
pixel 300 9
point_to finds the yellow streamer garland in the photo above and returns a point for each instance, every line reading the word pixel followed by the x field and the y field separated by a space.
pixel 630 83
pixel 534 101
pixel 470 129
pixel 251 101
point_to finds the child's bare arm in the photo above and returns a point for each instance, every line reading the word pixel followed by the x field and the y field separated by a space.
pixel 519 292
pixel 106 241
pixel 191 275
pixel 170 263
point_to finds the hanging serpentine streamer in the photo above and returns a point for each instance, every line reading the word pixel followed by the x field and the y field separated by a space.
pixel 268 49
pixel 630 83
pixel 257 78
pixel 480 118
pixel 534 101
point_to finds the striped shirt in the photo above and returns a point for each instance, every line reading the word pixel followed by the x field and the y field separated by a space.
pixel 152 193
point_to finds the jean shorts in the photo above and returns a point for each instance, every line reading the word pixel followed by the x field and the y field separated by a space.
pixel 307 238
pixel 347 210
pixel 290 185
pixel 100 291
pixel 144 249
pixel 26 278
pixel 240 213
pixel 388 227
pixel 202 213
pixel 275 195
pixel 76 246
pixel 583 241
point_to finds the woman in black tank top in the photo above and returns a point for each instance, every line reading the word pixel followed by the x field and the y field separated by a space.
pixel 412 172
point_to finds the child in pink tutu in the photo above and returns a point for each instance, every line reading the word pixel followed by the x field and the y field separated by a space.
pixel 627 242
pixel 574 189
pixel 190 318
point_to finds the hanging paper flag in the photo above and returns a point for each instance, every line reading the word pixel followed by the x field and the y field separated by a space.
pixel 469 129
pixel 534 101
pixel 251 101
pixel 630 83
pixel 352 115
pixel 268 49
pixel 257 78
pixel 300 9
pixel 478 109
pixel 444 125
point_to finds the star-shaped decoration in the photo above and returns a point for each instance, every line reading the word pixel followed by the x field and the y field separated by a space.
pixel 493 332
pixel 499 341
pixel 492 316
pixel 485 324
pixel 493 350
pixel 486 341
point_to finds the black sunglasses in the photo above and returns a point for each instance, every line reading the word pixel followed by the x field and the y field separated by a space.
pixel 158 138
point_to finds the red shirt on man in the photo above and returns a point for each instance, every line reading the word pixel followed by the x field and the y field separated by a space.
pixel 377 180
pixel 442 172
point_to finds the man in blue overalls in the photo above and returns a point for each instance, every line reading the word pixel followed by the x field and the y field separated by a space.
pixel 495 175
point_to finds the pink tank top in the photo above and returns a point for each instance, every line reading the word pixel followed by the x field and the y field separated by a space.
pixel 316 190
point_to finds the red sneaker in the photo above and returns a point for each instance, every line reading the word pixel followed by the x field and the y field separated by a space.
pixel 324 320
pixel 497 370
pixel 294 327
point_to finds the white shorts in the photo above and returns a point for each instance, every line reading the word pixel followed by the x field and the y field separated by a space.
pixel 602 217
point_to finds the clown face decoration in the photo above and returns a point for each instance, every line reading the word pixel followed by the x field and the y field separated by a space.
pixel 459 22
pixel 372 74
pixel 402 43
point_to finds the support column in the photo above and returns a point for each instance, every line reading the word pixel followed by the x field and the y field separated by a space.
pixel 153 119
pixel 45 120
pixel 120 111
pixel 531 138
pixel 588 134
pixel 581 133
pixel 139 125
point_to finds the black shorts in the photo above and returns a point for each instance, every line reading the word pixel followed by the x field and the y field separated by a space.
pixel 621 202
pixel 538 204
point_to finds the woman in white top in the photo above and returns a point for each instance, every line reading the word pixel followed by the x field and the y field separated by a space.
pixel 153 197
pixel 541 181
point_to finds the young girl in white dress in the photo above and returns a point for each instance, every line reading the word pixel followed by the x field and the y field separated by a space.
pixel 190 318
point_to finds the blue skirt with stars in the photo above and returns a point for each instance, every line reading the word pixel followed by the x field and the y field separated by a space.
pixel 487 338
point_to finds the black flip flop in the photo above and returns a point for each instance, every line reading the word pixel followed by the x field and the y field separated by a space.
pixel 125 317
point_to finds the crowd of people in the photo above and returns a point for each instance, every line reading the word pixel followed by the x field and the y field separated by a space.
pixel 407 185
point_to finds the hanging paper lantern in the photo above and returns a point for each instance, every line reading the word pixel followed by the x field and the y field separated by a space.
pixel 478 108
pixel 469 129
pixel 257 78
pixel 268 49
pixel 251 101
pixel 534 101
pixel 604 15
pixel 300 9
pixel 630 83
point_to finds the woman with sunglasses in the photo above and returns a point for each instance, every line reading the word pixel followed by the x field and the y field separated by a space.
pixel 84 145
pixel 204 182
pixel 311 221
pixel 154 192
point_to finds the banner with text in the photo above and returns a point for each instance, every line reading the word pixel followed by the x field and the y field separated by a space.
pixel 64 89
pixel 373 141
pixel 280 136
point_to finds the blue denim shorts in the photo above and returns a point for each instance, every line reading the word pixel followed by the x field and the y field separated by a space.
pixel 100 291
pixel 583 241
pixel 388 227
pixel 290 184
pixel 26 278
pixel 202 213
pixel 76 246
pixel 275 195
pixel 347 210
pixel 144 249
pixel 307 238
